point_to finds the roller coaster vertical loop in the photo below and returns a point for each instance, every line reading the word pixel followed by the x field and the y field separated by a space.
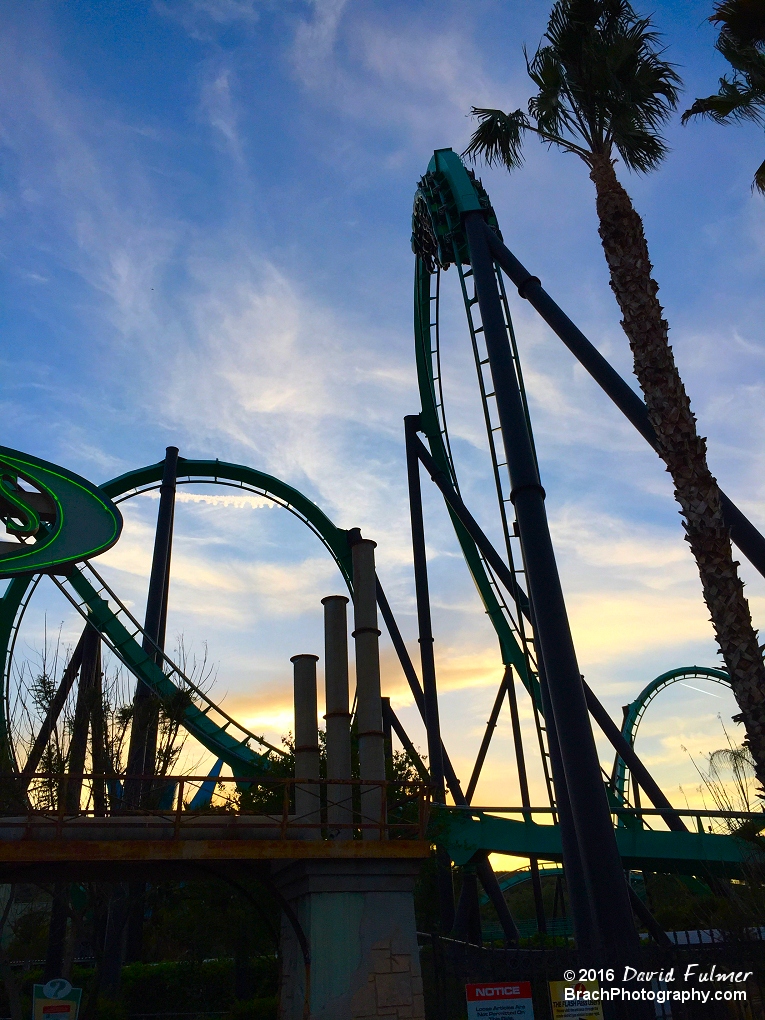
pixel 634 712
pixel 210 724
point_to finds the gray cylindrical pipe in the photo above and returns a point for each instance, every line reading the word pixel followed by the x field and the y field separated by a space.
pixel 338 716
pixel 307 805
pixel 368 702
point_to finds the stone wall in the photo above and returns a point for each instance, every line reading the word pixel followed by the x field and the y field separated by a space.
pixel 394 985
pixel 358 919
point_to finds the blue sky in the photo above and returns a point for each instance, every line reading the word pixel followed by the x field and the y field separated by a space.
pixel 204 241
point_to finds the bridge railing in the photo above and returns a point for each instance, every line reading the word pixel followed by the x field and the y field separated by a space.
pixel 66 805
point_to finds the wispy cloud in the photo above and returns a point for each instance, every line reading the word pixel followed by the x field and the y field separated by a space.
pixel 218 107
pixel 314 42
pixel 286 382
pixel 393 71
pixel 212 582
pixel 204 19
pixel 220 499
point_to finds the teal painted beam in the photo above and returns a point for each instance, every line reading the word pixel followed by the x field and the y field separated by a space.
pixel 241 758
pixel 447 162
pixel 465 833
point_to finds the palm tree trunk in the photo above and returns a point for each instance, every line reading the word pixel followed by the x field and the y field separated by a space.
pixel 682 449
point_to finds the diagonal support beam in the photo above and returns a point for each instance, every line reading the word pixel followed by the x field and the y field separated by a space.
pixel 616 939
pixel 414 686
pixel 644 915
pixel 749 540
pixel 54 710
pixel 483 867
pixel 598 712
pixel 491 725
pixel 625 751
pixel 403 736
pixel 424 624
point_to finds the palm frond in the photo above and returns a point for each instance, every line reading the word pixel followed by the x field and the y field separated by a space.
pixel 640 150
pixel 602 81
pixel 731 103
pixel 549 107
pixel 741 96
pixel 758 184
pixel 746 58
pixel 744 19
pixel 498 137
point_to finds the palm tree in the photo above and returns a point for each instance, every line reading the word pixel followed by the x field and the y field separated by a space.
pixel 604 90
pixel 742 43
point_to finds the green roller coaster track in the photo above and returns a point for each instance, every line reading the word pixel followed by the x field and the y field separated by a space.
pixel 225 738
pixel 635 711
pixel 444 180
pixel 447 192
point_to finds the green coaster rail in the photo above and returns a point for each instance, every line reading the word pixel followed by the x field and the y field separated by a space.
pixel 445 192
pixel 434 204
pixel 208 723
pixel 635 711
pixel 121 632
pixel 465 832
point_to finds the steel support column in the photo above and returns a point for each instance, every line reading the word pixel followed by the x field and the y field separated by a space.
pixel 573 871
pixel 427 660
pixel 143 735
pixel 606 885
pixel 142 751
pixel 523 783
pixel 502 571
pixel 483 867
pixel 78 741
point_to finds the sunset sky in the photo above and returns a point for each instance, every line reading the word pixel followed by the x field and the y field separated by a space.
pixel 204 241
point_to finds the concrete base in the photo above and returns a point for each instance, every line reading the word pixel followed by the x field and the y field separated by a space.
pixel 358 920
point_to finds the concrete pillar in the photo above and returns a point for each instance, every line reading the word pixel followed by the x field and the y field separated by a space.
pixel 307 804
pixel 338 717
pixel 368 703
pixel 357 917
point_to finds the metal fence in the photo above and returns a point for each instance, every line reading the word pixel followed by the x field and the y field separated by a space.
pixel 448 966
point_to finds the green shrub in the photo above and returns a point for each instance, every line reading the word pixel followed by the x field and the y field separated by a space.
pixel 255 1009
pixel 108 1009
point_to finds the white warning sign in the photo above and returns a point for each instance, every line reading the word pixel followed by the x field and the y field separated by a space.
pixel 506 1000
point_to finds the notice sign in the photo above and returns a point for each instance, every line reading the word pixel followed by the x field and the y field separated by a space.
pixel 510 999
pixel 567 1005
pixel 56 1000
